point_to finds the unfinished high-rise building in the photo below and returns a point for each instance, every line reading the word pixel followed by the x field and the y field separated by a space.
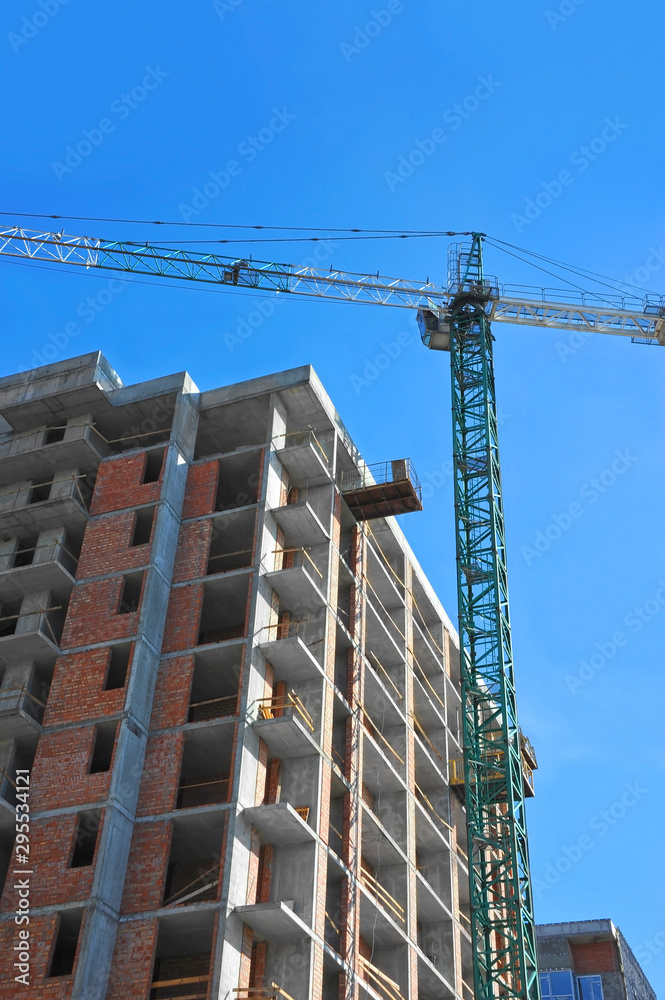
pixel 229 702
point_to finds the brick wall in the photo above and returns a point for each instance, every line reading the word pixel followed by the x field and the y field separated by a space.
pixel 172 693
pixel 161 773
pixel 591 959
pixel 183 618
pixel 42 937
pixel 77 689
pixel 133 960
pixel 201 489
pixel 120 484
pixel 107 546
pixel 52 882
pixel 93 617
pixel 191 559
pixel 146 871
pixel 60 772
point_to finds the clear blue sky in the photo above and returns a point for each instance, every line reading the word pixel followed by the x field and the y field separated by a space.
pixel 336 108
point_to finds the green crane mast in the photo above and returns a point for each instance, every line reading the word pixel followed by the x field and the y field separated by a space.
pixel 456 319
pixel 502 921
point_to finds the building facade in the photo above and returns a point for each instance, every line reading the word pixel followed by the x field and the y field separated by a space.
pixel 588 960
pixel 229 703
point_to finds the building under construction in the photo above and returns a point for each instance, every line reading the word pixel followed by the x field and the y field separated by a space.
pixel 234 693
pixel 589 960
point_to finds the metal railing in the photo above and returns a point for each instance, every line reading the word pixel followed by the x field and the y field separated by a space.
pixel 40 612
pixel 304 437
pixel 295 558
pixel 55 544
pixel 381 894
pixel 379 474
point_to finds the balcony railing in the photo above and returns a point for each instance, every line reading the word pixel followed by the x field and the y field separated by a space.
pixel 208 791
pixel 9 623
pixel 381 895
pixel 16 696
pixel 286 705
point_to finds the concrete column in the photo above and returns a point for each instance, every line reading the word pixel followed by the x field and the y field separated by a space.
pixel 96 949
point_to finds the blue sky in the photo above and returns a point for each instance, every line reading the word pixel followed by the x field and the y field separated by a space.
pixel 168 97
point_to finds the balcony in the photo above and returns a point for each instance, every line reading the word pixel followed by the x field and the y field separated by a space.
pixel 31 508
pixel 286 726
pixel 45 566
pixel 39 454
pixel 21 712
pixel 280 824
pixel 297 579
pixel 273 922
pixel 289 655
pixel 304 458
pixel 31 635
pixel 300 522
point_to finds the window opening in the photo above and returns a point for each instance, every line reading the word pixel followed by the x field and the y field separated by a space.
pixel 103 748
pixel 54 434
pixel 116 675
pixel 143 526
pixel 87 829
pixel 66 942
pixel 153 466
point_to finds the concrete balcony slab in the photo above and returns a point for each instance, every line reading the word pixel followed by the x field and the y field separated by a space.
pixel 36 645
pixel 273 921
pixel 296 588
pixel 304 460
pixel 61 512
pixel 286 737
pixel 291 659
pixel 432 984
pixel 301 524
pixel 19 715
pixel 83 452
pixel 36 577
pixel 280 824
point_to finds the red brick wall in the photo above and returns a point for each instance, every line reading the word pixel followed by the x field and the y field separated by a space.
pixel 161 773
pixel 77 689
pixel 201 489
pixel 146 871
pixel 590 959
pixel 52 882
pixel 120 484
pixel 42 938
pixel 107 547
pixel 92 615
pixel 183 618
pixel 191 559
pixel 172 693
pixel 60 775
pixel 133 960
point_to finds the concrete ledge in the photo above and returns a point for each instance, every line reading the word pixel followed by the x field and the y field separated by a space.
pixel 273 921
pixel 280 824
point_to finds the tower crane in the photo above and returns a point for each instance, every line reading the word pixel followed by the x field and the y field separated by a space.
pixel 456 319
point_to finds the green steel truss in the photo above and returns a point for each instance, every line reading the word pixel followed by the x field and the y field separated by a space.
pixel 502 921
